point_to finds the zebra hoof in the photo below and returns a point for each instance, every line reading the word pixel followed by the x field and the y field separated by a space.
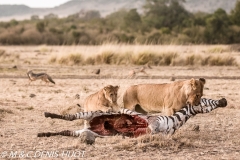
pixel 87 137
pixel 47 114
pixel 51 115
pixel 222 102
pixel 48 134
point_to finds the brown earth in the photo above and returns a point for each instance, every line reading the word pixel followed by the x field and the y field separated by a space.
pixel 21 117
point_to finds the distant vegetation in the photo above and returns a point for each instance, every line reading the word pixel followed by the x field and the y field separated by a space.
pixel 163 22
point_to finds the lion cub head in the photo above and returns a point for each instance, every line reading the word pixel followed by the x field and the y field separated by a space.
pixel 110 93
pixel 195 91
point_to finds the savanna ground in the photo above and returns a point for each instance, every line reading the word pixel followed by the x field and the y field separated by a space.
pixel 21 116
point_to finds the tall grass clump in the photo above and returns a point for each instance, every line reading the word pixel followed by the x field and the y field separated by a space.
pixel 76 58
pixel 116 56
pixel 218 50
pixel 145 57
pixel 193 60
pixel 219 61
pixel 106 57
pixel 53 59
pixel 168 58
pixel 72 59
pixel 125 58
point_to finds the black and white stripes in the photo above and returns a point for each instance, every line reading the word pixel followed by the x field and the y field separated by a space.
pixel 132 123
pixel 169 124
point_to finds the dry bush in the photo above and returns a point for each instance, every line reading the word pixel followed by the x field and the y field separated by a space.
pixel 168 58
pixel 125 58
pixel 106 57
pixel 219 61
pixel 31 36
pixel 118 54
pixel 218 50
pixel 72 59
pixel 53 59
pixel 90 61
pixel 193 60
pixel 76 59
pixel 146 57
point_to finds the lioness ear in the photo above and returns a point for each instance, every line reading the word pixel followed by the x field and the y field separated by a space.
pixel 193 84
pixel 106 88
pixel 202 80
pixel 117 87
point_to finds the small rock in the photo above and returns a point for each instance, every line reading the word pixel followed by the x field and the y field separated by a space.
pixel 32 95
pixel 15 67
pixel 196 128
pixel 97 71
pixel 77 96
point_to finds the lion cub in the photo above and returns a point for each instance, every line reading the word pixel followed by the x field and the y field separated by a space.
pixel 167 98
pixel 104 100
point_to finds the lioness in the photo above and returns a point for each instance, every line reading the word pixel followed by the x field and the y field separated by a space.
pixel 166 98
pixel 104 100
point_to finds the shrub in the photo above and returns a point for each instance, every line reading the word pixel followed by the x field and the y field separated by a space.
pixel 76 58
pixel 40 26
pixel 72 59
pixel 219 61
pixel 146 57
pixel 168 58
pixel 53 59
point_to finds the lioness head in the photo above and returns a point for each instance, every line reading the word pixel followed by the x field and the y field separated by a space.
pixel 110 93
pixel 195 91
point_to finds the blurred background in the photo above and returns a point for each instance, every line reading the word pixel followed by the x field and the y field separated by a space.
pixel 94 22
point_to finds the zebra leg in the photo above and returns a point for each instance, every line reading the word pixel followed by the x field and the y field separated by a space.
pixel 63 133
pixel 207 105
pixel 65 117
pixel 86 136
pixel 168 124
pixel 80 115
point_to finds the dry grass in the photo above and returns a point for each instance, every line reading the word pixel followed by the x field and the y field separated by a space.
pixel 143 58
pixel 3 112
pixel 219 49
pixel 122 54
pixel 8 57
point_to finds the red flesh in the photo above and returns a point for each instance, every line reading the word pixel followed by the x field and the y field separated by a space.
pixel 119 124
